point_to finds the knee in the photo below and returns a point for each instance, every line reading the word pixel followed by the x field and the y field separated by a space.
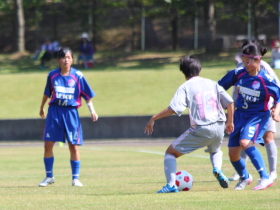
pixel 48 148
pixel 74 149
pixel 234 156
pixel 170 150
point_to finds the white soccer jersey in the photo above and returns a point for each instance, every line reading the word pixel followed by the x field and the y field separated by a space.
pixel 205 100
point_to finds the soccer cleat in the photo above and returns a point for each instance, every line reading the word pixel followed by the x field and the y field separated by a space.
pixel 222 179
pixel 76 183
pixel 263 184
pixel 46 182
pixel 243 182
pixel 168 189
pixel 272 175
pixel 234 177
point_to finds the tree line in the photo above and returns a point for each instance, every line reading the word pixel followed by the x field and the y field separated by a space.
pixel 93 13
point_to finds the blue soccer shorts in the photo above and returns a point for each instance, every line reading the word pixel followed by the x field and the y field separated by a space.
pixel 248 125
pixel 63 123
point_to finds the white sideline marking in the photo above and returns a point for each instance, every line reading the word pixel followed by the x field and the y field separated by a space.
pixel 113 150
pixel 145 151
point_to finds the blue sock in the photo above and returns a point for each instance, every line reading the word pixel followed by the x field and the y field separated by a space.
pixel 49 166
pixel 75 166
pixel 240 168
pixel 257 160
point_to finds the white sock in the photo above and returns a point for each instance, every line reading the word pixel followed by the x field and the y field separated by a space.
pixel 170 166
pixel 271 150
pixel 217 159
pixel 244 156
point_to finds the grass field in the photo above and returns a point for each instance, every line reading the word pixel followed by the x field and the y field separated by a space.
pixel 120 175
pixel 138 83
pixel 116 174
pixel 124 83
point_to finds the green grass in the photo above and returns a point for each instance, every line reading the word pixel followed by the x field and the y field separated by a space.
pixel 125 83
pixel 121 175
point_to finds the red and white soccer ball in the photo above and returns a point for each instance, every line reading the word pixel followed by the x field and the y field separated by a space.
pixel 184 181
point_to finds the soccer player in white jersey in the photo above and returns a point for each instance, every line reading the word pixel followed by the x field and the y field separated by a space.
pixel 268 137
pixel 65 87
pixel 206 101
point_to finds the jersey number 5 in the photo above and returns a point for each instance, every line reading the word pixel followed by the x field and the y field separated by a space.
pixel 251 131
pixel 245 105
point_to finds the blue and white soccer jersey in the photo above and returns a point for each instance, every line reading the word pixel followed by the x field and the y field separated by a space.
pixel 63 122
pixel 271 126
pixel 206 101
pixel 252 101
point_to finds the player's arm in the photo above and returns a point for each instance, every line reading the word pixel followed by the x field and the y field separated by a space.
pixel 44 100
pixel 92 111
pixel 164 113
pixel 275 110
pixel 229 123
pixel 228 80
pixel 227 103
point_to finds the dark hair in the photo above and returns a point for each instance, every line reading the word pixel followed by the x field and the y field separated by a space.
pixel 248 41
pixel 190 66
pixel 62 51
pixel 254 50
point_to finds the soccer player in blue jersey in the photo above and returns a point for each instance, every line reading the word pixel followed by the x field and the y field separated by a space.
pixel 255 87
pixel 206 101
pixel 269 143
pixel 65 87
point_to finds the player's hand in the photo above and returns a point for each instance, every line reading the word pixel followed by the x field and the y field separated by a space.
pixel 272 108
pixel 272 111
pixel 229 127
pixel 42 113
pixel 275 117
pixel 94 117
pixel 149 127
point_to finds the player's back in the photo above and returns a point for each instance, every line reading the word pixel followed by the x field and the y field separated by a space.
pixel 204 100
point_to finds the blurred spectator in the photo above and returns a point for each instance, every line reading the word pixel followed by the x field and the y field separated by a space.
pixel 56 48
pixel 275 56
pixel 45 53
pixel 238 58
pixel 86 52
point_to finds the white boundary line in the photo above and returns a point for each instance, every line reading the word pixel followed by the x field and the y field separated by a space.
pixel 144 151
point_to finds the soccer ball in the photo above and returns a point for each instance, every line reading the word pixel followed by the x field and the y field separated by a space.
pixel 184 181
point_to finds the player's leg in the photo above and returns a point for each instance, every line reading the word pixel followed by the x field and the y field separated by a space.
pixel 170 168
pixel 252 133
pixel 53 132
pixel 216 155
pixel 74 136
pixel 234 151
pixel 216 160
pixel 48 162
pixel 258 162
pixel 75 163
pixel 240 167
pixel 185 143
pixel 236 176
pixel 271 148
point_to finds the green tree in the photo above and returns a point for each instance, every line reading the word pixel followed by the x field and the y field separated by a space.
pixel 256 8
pixel 91 13
pixel 20 26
